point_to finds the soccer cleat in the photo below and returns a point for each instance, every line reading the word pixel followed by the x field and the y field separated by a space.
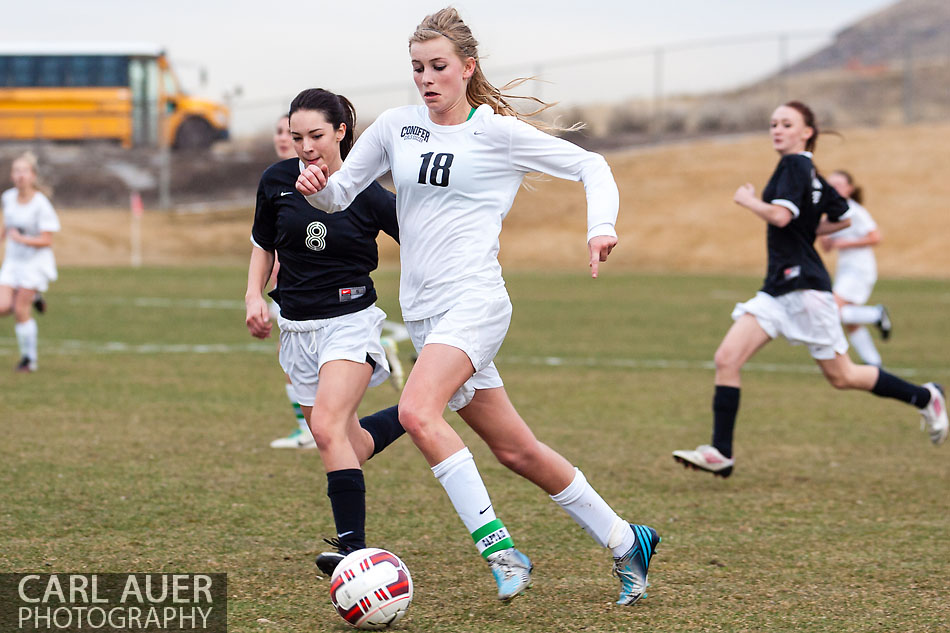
pixel 512 572
pixel 884 324
pixel 39 303
pixel 297 439
pixel 26 365
pixel 631 568
pixel 706 458
pixel 397 376
pixel 933 417
pixel 327 561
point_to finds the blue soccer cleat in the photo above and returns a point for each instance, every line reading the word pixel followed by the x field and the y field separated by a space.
pixel 632 567
pixel 512 572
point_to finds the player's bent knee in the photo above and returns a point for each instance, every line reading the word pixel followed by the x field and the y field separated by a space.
pixel 328 438
pixel 727 359
pixel 519 459
pixel 839 380
pixel 414 420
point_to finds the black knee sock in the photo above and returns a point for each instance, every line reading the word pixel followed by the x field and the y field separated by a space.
pixel 347 493
pixel 890 386
pixel 725 408
pixel 384 427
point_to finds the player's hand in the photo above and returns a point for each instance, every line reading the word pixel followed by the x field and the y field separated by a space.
pixel 744 194
pixel 827 243
pixel 15 235
pixel 313 179
pixel 599 248
pixel 258 318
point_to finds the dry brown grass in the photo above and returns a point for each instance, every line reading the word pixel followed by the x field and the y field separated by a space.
pixel 676 211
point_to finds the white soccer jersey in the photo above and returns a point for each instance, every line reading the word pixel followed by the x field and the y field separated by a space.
pixel 35 217
pixel 454 186
pixel 860 259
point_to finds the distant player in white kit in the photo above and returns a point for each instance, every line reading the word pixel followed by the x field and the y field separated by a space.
pixel 457 163
pixel 29 222
pixel 856 270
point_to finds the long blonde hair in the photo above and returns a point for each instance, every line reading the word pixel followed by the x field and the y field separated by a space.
pixel 448 23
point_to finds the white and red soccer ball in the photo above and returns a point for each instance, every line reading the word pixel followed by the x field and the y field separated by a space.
pixel 371 588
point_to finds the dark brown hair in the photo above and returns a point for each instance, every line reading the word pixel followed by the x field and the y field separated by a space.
pixel 337 110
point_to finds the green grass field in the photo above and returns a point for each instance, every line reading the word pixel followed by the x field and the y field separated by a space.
pixel 142 445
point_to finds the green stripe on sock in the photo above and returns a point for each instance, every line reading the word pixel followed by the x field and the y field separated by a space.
pixel 505 543
pixel 492 537
pixel 487 529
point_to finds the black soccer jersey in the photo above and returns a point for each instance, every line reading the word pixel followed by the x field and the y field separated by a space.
pixel 794 263
pixel 325 259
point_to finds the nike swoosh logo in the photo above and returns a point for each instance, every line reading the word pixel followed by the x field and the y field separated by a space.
pixel 485 510
pixel 286 193
pixel 350 532
pixel 477 132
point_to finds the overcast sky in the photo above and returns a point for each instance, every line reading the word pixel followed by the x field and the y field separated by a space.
pixel 273 50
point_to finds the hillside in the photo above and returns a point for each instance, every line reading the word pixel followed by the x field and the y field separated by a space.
pixel 677 212
pixel 917 27
pixel 888 68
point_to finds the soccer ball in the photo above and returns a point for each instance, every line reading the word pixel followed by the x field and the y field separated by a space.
pixel 371 588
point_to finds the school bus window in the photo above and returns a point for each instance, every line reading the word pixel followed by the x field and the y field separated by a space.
pixel 114 72
pixel 49 71
pixel 79 71
pixel 171 86
pixel 23 71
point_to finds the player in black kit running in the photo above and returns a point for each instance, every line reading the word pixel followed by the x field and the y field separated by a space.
pixel 795 301
pixel 329 323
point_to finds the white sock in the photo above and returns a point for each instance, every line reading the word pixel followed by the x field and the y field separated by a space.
pixel 461 480
pixel 298 412
pixel 864 345
pixel 860 315
pixel 592 513
pixel 26 336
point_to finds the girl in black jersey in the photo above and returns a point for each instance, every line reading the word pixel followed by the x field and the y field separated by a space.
pixel 796 301
pixel 329 323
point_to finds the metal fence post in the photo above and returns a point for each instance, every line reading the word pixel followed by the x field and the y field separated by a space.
pixel 658 92
pixel 781 77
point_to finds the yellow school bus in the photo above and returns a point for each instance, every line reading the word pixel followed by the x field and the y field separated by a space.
pixel 124 92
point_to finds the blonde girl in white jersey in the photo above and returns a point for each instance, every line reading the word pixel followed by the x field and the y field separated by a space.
pixel 29 222
pixel 856 271
pixel 457 163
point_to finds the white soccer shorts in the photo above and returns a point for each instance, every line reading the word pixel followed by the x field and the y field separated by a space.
pixel 18 274
pixel 803 317
pixel 475 325
pixel 305 346
pixel 854 286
